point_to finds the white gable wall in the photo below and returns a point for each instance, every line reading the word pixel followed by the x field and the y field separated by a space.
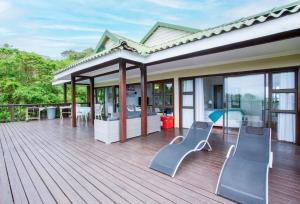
pixel 162 35
pixel 109 43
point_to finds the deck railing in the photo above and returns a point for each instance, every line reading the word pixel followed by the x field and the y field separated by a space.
pixel 17 112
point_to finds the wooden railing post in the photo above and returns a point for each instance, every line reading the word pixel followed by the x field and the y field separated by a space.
pixel 12 113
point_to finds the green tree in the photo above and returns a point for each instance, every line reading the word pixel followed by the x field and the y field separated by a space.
pixel 74 55
pixel 26 78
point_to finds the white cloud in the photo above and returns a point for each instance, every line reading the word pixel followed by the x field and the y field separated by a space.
pixel 186 5
pixel 71 27
pixel 127 20
pixel 7 10
pixel 4 6
pixel 168 3
pixel 50 46
pixel 5 31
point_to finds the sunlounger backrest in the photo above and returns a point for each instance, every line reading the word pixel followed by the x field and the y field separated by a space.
pixel 254 144
pixel 199 131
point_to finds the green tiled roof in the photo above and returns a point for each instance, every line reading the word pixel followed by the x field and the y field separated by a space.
pixel 125 43
pixel 168 25
pixel 235 25
pixel 118 40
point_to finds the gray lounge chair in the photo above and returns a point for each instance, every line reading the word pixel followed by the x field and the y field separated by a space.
pixel 244 175
pixel 168 159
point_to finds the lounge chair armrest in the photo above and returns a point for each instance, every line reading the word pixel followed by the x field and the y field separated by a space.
pixel 176 139
pixel 229 151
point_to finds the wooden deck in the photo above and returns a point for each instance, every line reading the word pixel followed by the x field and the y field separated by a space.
pixel 51 162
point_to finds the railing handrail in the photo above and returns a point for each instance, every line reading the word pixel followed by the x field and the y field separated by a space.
pixel 11 108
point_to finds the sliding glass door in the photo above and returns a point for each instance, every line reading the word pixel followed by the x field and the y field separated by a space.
pixel 266 99
pixel 245 101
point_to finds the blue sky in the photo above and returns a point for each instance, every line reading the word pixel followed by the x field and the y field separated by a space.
pixel 49 27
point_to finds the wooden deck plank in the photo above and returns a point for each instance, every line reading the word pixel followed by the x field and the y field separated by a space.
pixel 18 192
pixel 125 157
pixel 129 169
pixel 176 189
pixel 223 153
pixel 39 185
pixel 74 165
pixel 5 192
pixel 57 157
pixel 84 194
pixel 55 190
pixel 76 184
pixel 59 179
pixel 103 170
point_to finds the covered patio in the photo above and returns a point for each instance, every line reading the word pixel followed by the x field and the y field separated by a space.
pixel 49 161
pixel 258 44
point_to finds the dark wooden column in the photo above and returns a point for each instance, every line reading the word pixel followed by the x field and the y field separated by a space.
pixel 92 99
pixel 88 94
pixel 122 99
pixel 143 101
pixel 298 109
pixel 74 124
pixel 65 93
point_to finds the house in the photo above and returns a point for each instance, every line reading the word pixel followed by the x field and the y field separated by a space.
pixel 248 68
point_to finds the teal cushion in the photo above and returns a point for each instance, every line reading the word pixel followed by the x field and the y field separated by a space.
pixel 216 115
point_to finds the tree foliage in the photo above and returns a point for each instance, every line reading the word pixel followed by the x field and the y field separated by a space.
pixel 26 78
pixel 74 55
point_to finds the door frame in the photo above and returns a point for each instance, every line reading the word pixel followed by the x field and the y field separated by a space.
pixel 181 96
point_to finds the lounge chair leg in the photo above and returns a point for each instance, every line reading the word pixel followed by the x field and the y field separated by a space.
pixel 209 147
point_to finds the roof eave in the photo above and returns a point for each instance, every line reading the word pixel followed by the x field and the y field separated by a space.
pixel 110 57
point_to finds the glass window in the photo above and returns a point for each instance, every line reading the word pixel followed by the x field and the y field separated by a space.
pixel 245 100
pixel 158 110
pixel 163 97
pixel 283 125
pixel 158 100
pixel 187 117
pixel 168 88
pixel 169 100
pixel 285 80
pixel 100 95
pixel 187 100
pixel 150 94
pixel 187 86
pixel 157 88
pixel 283 101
